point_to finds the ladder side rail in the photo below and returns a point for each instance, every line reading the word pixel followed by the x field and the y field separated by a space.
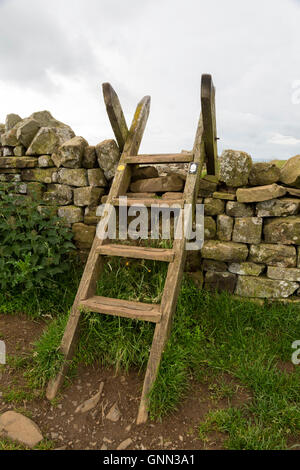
pixel 209 123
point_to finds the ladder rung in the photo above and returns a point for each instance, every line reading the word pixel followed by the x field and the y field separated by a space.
pixel 123 308
pixel 140 252
pixel 163 158
pixel 149 201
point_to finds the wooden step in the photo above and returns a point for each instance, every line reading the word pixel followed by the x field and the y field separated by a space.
pixel 161 158
pixel 149 201
pixel 139 252
pixel 122 308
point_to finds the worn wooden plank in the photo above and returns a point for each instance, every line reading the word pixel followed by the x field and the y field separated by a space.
pixel 115 114
pixel 139 252
pixel 161 158
pixel 93 266
pixel 122 308
pixel 148 202
pixel 209 123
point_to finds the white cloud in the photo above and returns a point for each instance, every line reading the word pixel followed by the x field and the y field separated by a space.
pixel 280 139
pixel 56 55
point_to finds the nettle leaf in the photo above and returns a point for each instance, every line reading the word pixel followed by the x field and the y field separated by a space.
pixel 34 246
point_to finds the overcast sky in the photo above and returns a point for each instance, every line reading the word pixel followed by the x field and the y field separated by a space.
pixel 55 55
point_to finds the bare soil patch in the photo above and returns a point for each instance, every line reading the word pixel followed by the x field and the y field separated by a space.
pixel 91 430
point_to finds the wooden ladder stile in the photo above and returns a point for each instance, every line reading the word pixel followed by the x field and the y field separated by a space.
pixel 129 141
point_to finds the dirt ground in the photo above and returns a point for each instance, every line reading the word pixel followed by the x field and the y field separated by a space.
pixel 91 430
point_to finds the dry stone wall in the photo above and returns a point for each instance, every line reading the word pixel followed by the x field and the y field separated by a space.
pixel 252 210
pixel 42 156
pixel 252 228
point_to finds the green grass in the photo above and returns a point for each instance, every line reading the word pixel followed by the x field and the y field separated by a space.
pixel 45 444
pixel 213 335
pixel 48 302
pixel 18 396
pixel 279 163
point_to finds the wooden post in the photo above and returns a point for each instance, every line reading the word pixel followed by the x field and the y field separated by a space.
pixel 115 114
pixel 209 123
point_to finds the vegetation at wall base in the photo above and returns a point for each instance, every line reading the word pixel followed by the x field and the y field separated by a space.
pixel 36 253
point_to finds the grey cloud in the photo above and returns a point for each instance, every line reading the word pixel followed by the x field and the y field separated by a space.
pixel 33 41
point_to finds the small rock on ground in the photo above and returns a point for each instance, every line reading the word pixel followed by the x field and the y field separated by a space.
pixel 114 413
pixel 91 402
pixel 124 444
pixel 19 428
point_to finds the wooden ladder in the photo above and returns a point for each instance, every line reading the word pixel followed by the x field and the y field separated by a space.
pixel 204 149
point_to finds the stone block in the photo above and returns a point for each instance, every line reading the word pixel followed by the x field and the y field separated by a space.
pixel 239 209
pixel 224 227
pixel 59 194
pixel 220 281
pixel 247 230
pixel 213 265
pixel 42 175
pixel 260 193
pixel 213 206
pixel 264 173
pixel 83 235
pixel 108 155
pixel 162 184
pixel 72 177
pixel 70 153
pixel 246 269
pixel 286 274
pixel 71 214
pixel 278 207
pixel 224 251
pixel 261 287
pixel 209 228
pixel 18 162
pixel 89 157
pixel 290 172
pixel 96 177
pixel 235 167
pixel 87 196
pixel 273 255
pixel 285 230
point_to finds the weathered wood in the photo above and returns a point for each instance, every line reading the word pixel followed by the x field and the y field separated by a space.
pixel 139 252
pixel 137 195
pixel 191 189
pixel 115 114
pixel 161 158
pixel 122 308
pixel 162 329
pixel 148 202
pixel 209 123
pixel 123 174
pixel 87 287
